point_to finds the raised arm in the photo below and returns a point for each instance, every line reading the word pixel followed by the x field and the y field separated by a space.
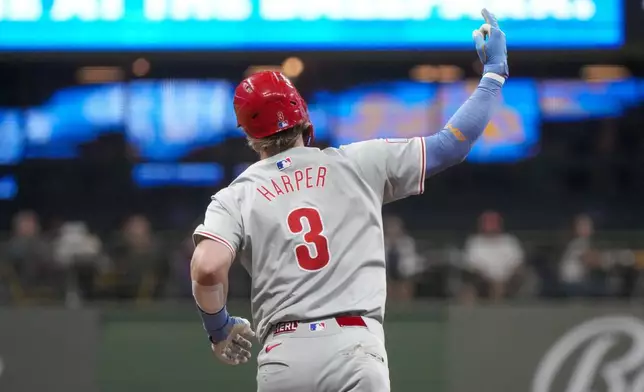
pixel 451 145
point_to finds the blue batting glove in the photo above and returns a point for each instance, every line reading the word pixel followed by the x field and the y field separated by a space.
pixel 491 46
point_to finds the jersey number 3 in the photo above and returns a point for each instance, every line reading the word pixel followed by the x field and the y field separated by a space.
pixel 315 256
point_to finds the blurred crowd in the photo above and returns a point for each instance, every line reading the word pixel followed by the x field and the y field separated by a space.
pixel 494 265
pixel 70 263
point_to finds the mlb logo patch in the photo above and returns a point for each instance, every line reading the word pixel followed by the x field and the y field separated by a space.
pixel 314 327
pixel 284 163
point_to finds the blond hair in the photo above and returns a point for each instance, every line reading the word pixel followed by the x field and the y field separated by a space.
pixel 279 142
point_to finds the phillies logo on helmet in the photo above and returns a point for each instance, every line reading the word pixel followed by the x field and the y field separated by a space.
pixel 281 122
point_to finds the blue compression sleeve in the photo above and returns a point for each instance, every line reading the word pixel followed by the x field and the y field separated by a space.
pixel 452 144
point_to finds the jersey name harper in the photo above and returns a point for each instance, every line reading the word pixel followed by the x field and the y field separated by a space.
pixel 309 177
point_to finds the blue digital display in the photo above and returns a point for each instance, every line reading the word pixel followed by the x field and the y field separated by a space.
pixel 298 24
pixel 8 188
pixel 71 117
pixel 513 131
pixel 153 175
pixel 408 109
pixel 399 110
pixel 319 110
pixel 12 139
pixel 565 100
pixel 162 120
pixel 167 119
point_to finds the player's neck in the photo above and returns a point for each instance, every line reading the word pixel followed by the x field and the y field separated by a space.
pixel 269 153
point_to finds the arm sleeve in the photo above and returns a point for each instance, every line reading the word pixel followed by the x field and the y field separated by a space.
pixel 451 145
pixel 222 222
pixel 393 168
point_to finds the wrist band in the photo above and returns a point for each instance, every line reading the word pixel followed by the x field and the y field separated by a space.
pixel 494 76
pixel 214 323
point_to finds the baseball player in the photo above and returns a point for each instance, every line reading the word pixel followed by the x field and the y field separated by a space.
pixel 311 222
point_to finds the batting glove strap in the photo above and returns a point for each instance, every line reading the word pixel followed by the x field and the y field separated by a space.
pixel 216 324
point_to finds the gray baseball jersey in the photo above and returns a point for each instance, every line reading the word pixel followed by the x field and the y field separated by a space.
pixel 312 222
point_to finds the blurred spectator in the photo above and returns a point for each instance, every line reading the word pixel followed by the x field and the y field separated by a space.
pixel 493 261
pixel 403 263
pixel 78 253
pixel 582 272
pixel 139 264
pixel 28 266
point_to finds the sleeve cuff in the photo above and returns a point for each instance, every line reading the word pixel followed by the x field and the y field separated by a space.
pixel 423 166
pixel 214 237
pixel 496 77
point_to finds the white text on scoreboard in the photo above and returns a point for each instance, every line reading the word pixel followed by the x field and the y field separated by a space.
pixel 287 10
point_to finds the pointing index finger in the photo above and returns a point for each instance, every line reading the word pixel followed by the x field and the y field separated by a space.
pixel 490 18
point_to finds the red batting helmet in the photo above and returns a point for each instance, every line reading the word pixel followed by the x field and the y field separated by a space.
pixel 267 103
